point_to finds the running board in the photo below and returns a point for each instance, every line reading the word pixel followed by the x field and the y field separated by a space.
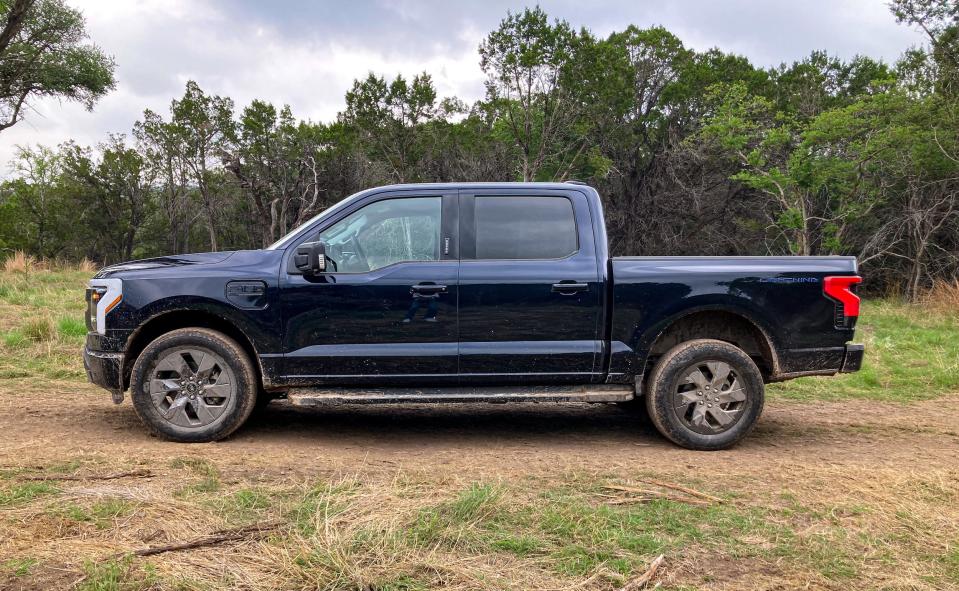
pixel 324 396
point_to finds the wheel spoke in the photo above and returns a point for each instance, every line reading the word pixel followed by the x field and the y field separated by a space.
pixel 687 398
pixel 175 408
pixel 723 417
pixel 203 411
pixel 699 416
pixel 734 395
pixel 697 377
pixel 218 391
pixel 720 372
pixel 205 367
pixel 171 363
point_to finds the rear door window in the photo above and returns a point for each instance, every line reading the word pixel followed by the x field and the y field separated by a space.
pixel 511 228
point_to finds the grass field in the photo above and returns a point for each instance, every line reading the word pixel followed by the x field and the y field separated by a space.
pixel 824 495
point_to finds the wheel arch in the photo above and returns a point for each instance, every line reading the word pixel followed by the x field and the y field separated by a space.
pixel 732 325
pixel 170 320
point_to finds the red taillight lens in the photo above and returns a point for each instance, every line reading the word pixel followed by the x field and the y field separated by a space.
pixel 840 289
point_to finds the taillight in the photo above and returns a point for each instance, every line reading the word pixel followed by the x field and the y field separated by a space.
pixel 839 289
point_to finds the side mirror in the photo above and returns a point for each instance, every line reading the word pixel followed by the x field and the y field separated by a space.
pixel 310 258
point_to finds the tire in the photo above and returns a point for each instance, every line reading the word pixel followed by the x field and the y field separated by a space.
pixel 684 380
pixel 193 385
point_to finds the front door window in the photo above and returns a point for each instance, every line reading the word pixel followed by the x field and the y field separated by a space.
pixel 385 233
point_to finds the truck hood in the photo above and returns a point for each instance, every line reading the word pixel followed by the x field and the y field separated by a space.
pixel 179 260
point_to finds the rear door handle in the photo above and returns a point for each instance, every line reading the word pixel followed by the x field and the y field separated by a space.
pixel 428 288
pixel 569 287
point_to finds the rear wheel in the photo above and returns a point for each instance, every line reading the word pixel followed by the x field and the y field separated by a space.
pixel 193 385
pixel 705 394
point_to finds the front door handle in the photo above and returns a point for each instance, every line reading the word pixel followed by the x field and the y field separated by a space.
pixel 569 287
pixel 428 288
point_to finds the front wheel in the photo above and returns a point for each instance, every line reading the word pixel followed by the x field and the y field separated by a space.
pixel 193 385
pixel 705 394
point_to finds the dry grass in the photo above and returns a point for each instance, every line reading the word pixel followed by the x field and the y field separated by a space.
pixel 86 266
pixel 416 530
pixel 18 262
pixel 943 297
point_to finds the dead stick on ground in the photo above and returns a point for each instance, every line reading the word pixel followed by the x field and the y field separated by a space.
pixel 659 496
pixel 130 474
pixel 644 579
pixel 234 535
pixel 688 491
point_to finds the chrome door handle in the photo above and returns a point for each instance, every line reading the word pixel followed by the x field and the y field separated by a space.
pixel 428 288
pixel 569 287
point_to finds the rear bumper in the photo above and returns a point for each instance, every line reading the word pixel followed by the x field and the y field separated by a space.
pixel 819 361
pixel 852 360
pixel 105 370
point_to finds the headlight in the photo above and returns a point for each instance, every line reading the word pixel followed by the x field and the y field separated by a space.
pixel 102 297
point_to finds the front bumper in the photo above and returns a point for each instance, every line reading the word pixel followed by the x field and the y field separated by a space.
pixel 105 370
pixel 852 360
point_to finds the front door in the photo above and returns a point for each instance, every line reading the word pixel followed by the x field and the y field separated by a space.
pixel 530 288
pixel 386 309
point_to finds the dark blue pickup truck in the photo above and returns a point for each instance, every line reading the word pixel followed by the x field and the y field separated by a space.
pixel 492 292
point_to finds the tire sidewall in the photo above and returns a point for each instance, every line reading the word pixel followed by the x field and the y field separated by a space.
pixel 231 419
pixel 664 381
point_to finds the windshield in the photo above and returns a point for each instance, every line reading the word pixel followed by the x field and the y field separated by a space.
pixel 286 240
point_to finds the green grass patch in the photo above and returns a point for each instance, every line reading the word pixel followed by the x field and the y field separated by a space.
pixel 102 514
pixel 117 575
pixel 20 567
pixel 25 492
pixel 209 476
pixel 71 327
pixel 452 521
pixel 321 503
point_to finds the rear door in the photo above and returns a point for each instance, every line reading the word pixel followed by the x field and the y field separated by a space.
pixel 529 288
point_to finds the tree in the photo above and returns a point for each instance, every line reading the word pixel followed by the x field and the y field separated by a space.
pixel 939 20
pixel 43 54
pixel 531 87
pixel 114 192
pixel 391 120
pixel 200 131
pixel 37 192
pixel 276 162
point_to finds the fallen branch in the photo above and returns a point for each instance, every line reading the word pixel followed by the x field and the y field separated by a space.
pixel 657 496
pixel 233 535
pixel 688 491
pixel 642 580
pixel 129 474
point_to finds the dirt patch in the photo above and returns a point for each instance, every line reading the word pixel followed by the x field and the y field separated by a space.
pixel 857 465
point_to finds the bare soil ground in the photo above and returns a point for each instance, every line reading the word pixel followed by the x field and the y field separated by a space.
pixel 878 480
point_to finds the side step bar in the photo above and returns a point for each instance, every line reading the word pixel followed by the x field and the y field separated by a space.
pixel 592 393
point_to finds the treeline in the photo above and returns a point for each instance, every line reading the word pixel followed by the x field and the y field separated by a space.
pixel 694 153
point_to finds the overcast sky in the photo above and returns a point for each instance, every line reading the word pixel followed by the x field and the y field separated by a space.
pixel 306 54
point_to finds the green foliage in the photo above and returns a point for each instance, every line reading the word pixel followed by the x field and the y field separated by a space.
pixel 43 54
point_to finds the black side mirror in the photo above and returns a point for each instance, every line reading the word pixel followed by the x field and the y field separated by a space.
pixel 310 258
